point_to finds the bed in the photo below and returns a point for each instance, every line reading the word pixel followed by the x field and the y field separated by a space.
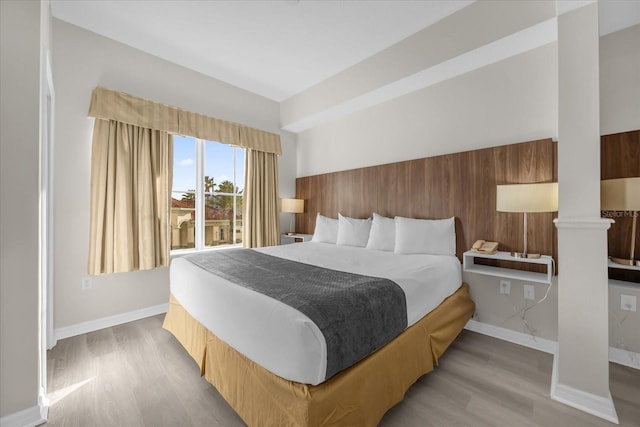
pixel 272 364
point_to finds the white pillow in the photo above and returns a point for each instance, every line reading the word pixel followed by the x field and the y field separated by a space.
pixel 383 233
pixel 425 236
pixel 326 230
pixel 353 232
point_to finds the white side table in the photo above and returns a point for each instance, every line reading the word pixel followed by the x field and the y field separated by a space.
pixel 469 265
pixel 286 239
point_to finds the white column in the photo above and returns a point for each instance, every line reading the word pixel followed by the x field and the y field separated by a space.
pixel 581 366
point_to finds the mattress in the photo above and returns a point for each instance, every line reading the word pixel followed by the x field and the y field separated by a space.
pixel 282 339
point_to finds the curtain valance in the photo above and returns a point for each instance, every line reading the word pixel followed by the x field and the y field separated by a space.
pixel 109 104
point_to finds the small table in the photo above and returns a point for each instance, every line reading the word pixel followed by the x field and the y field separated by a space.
pixel 469 265
pixel 286 239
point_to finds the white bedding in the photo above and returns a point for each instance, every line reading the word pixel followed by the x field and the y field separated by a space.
pixel 282 339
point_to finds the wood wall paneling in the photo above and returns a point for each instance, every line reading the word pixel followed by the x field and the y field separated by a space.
pixel 464 185
pixel 460 184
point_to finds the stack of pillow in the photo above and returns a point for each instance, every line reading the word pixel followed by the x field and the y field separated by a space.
pixel 400 235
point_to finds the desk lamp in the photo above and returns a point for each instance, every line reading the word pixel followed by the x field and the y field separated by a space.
pixel 292 206
pixel 527 198
pixel 622 194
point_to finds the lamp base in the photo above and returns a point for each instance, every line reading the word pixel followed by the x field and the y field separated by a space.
pixel 623 261
pixel 524 255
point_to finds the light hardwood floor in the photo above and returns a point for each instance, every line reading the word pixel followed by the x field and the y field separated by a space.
pixel 137 374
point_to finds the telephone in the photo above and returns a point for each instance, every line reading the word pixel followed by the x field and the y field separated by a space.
pixel 484 247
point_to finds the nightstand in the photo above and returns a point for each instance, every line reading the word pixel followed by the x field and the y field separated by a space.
pixel 285 239
pixel 508 273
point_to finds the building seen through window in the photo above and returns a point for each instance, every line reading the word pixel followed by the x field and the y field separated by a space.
pixel 206 203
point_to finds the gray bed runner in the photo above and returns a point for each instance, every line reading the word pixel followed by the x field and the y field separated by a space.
pixel 357 314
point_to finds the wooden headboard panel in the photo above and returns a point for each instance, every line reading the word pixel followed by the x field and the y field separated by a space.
pixel 460 184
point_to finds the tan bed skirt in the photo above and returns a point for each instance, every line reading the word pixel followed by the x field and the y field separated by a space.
pixel 358 396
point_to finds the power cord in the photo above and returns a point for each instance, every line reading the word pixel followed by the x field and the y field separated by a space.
pixel 526 308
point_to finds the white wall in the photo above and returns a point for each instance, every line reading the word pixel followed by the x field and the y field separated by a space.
pixel 620 81
pixel 498 310
pixel 506 311
pixel 624 325
pixel 23 34
pixel 81 61
pixel 476 25
pixel 510 101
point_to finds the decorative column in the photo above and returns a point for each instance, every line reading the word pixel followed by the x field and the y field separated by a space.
pixel 581 366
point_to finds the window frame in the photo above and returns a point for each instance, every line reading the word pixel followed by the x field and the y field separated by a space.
pixel 199 201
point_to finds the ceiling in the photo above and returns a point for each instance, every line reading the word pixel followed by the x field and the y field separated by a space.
pixel 275 48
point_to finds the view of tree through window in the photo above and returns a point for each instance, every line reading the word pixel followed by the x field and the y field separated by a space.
pixel 208 214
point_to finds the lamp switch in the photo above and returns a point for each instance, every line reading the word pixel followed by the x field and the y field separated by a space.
pixel 628 302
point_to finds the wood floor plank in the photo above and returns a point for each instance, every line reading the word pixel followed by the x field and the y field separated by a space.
pixel 137 374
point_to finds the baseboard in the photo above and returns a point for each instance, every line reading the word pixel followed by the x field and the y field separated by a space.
pixel 29 417
pixel 624 357
pixel 107 322
pixel 598 406
pixel 616 355
pixel 515 337
pixel 43 404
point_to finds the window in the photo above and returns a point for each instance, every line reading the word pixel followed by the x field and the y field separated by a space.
pixel 206 203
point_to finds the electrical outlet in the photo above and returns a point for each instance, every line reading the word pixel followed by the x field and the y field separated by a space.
pixel 87 282
pixel 627 302
pixel 529 292
pixel 505 287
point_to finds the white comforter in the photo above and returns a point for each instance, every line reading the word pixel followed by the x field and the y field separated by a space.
pixel 282 339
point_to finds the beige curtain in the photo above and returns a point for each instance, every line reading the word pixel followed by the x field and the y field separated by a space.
pixel 261 218
pixel 109 104
pixel 131 177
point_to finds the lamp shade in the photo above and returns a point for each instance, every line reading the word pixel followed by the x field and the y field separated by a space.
pixel 292 205
pixel 621 194
pixel 540 197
